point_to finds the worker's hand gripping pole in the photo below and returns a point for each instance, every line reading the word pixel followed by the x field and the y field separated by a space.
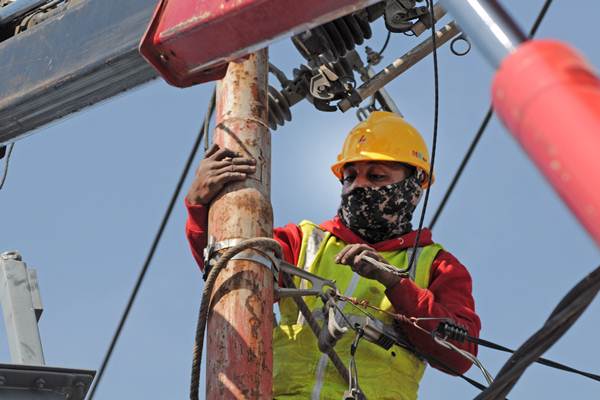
pixel 548 97
pixel 240 323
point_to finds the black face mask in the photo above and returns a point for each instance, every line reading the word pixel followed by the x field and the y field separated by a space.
pixel 378 214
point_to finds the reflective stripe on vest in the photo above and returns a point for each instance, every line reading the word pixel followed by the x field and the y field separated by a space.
pixel 301 372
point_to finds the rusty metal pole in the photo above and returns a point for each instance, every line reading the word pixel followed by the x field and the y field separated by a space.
pixel 240 323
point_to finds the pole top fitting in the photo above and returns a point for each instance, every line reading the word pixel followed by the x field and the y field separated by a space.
pixel 11 255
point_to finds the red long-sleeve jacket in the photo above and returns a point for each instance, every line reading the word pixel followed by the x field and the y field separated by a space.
pixel 448 295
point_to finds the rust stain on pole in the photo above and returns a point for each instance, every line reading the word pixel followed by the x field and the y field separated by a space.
pixel 240 324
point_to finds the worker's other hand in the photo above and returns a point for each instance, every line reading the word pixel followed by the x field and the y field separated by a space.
pixel 219 167
pixel 368 263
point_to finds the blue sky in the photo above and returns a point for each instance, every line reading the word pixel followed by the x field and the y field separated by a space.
pixel 85 196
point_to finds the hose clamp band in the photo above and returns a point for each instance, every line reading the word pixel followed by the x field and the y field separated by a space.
pixel 212 250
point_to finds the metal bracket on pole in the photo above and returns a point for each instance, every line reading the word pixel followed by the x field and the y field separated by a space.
pixel 22 307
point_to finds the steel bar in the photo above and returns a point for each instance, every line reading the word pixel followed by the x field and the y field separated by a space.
pixel 21 306
pixel 240 324
pixel 486 23
pixel 399 66
pixel 84 55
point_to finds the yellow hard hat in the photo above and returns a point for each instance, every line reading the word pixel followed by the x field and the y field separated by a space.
pixel 384 136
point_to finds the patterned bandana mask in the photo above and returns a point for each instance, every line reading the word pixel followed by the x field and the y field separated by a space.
pixel 378 214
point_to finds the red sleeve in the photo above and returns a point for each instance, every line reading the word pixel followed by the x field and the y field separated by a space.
pixel 196 231
pixel 448 296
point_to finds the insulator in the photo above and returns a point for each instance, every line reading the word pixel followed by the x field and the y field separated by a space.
pixel 452 330
pixel 338 37
pixel 279 108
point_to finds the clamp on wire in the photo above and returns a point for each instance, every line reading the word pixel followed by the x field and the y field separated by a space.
pixel 448 329
pixel 354 392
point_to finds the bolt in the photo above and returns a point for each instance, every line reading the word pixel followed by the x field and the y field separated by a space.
pixel 397 18
pixel 11 255
pixel 39 383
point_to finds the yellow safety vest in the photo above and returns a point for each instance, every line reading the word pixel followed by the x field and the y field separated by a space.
pixel 301 371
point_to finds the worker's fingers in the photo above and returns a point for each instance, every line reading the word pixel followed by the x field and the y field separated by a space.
pixel 229 161
pixel 349 252
pixel 213 149
pixel 243 168
pixel 340 255
pixel 223 153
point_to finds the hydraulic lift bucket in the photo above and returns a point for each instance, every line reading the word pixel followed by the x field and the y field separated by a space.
pixel 191 41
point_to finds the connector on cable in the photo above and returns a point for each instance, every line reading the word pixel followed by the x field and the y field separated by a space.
pixel 451 330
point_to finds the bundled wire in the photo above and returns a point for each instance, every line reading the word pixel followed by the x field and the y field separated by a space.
pixel 562 318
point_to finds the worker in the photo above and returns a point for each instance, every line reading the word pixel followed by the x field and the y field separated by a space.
pixel 383 169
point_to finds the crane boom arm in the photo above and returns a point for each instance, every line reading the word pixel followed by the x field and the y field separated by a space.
pixel 86 54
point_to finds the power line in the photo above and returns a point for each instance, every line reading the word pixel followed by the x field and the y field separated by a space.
pixel 543 361
pixel 561 319
pixel 436 101
pixel 484 123
pixel 153 248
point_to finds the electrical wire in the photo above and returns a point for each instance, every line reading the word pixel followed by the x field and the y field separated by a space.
pixel 435 131
pixel 385 44
pixel 449 329
pixel 541 360
pixel 482 127
pixel 444 343
pixel 6 164
pixel 565 314
pixel 150 255
pixel 413 322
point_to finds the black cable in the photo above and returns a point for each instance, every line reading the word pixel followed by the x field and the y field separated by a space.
pixel 150 255
pixel 433 360
pixel 435 129
pixel 6 163
pixel 561 319
pixel 385 44
pixel 482 128
pixel 448 329
pixel 543 361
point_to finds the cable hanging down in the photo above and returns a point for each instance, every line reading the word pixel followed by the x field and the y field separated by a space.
pixel 435 132
pixel 152 251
